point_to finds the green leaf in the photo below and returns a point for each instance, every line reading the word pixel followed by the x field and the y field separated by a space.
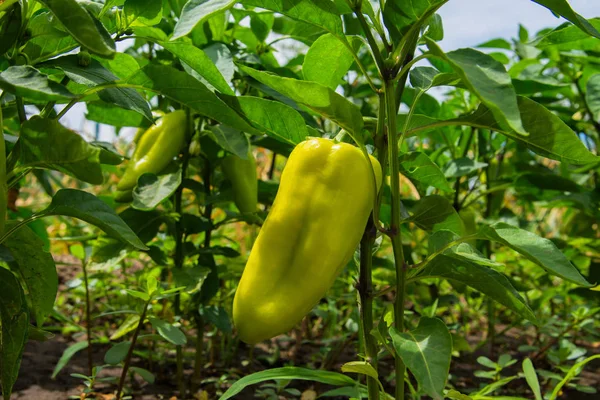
pixel 360 367
pixel 142 12
pixel 198 61
pixel 496 44
pixel 573 372
pixel 171 333
pixel 426 351
pixel 144 373
pixel 592 96
pixel 327 61
pixel 108 114
pixel 548 136
pixel 46 144
pixel 47 39
pixel 117 353
pixel 86 29
pixel 217 316
pixel 36 268
pixel 487 79
pixel 434 213
pixel 532 379
pixel 87 207
pixel 232 140
pixel 95 74
pixel 67 355
pixel 151 190
pixel 419 168
pixel 400 16
pixel 462 166
pixel 14 321
pixel 481 278
pixel 28 82
pixel 288 373
pixel 562 8
pixel 271 117
pixel 538 250
pixel 568 34
pixel 320 13
pixel 196 11
pixel 138 295
pixel 187 90
pixel 127 326
pixel 317 97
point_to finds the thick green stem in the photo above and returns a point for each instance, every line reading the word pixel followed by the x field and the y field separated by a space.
pixel 394 231
pixel 365 290
pixel 130 351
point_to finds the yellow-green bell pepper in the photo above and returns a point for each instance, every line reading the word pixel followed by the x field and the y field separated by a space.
pixel 319 215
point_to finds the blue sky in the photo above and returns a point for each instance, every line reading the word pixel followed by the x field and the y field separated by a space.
pixel 470 22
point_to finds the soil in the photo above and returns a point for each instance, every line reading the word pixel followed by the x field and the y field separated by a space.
pixel 40 359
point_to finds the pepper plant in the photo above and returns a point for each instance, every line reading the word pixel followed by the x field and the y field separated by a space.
pixel 511 112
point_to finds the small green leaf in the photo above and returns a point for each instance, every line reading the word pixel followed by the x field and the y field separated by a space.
pixel 288 373
pixel 217 316
pixel 198 61
pixel 419 168
pixel 87 207
pixel 434 213
pixel 144 373
pixel 187 90
pixel 360 367
pixel 327 61
pixel 462 166
pixel 315 96
pixel 487 79
pixel 480 277
pixel 86 29
pixel 95 74
pixel 320 13
pixel 137 294
pixel 196 11
pixel 562 8
pixel 169 332
pixel 151 190
pixel 28 82
pixel 117 353
pixel 67 355
pixel 276 119
pixel 532 379
pixel 538 250
pixel 426 351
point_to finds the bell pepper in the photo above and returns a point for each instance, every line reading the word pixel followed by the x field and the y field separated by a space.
pixel 319 215
pixel 242 174
pixel 156 148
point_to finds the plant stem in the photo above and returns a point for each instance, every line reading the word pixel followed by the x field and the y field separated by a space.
pixel 198 360
pixel 21 110
pixel 395 232
pixel 365 290
pixel 179 241
pixel 130 351
pixel 88 319
pixel 370 39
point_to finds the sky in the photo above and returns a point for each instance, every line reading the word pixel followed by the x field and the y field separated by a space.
pixel 471 22
pixel 466 23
